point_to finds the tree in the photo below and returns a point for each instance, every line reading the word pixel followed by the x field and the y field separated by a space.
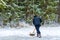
pixel 26 9
pixel 58 11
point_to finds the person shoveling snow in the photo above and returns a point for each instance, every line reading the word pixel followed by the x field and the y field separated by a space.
pixel 37 23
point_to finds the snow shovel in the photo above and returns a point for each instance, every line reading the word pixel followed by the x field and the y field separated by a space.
pixel 32 33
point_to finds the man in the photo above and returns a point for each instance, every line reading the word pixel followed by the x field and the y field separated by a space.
pixel 37 23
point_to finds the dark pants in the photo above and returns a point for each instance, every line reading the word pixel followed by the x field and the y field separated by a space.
pixel 37 28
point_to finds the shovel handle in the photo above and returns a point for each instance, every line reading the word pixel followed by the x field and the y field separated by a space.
pixel 34 30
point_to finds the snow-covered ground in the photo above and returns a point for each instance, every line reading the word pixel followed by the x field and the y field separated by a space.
pixel 48 33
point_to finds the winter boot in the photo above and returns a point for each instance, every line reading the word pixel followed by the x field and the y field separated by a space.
pixel 39 35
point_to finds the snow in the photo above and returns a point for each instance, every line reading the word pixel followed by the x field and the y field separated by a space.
pixel 48 33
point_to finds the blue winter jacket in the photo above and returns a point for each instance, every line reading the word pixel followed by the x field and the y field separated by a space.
pixel 37 21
